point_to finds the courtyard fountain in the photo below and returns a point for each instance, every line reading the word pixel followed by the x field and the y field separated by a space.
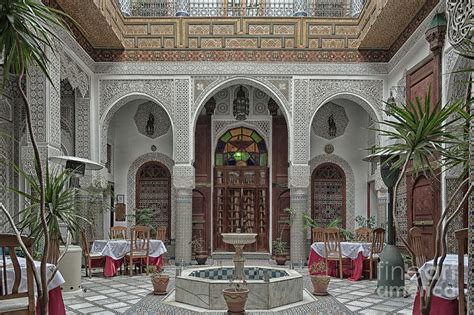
pixel 269 287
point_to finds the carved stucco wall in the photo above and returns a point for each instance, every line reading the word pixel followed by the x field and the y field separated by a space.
pixel 6 153
pixel 279 88
pixel 310 95
pixel 116 93
pixel 456 89
pixel 131 183
pixel 350 184
pixel 401 210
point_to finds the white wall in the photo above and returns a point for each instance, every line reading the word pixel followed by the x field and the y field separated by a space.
pixel 350 146
pixel 128 144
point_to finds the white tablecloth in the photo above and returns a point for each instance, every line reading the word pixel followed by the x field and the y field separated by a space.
pixel 117 249
pixel 348 249
pixel 447 286
pixel 57 280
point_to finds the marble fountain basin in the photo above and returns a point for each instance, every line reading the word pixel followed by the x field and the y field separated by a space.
pixel 202 287
pixel 238 238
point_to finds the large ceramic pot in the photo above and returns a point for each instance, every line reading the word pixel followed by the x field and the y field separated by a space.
pixel 320 284
pixel 201 257
pixel 160 284
pixel 280 259
pixel 235 299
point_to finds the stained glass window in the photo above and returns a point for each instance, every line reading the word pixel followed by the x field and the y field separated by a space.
pixel 242 147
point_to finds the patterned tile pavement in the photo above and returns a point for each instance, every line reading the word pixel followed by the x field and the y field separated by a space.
pixel 130 295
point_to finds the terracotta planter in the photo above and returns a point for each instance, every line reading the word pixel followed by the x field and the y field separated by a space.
pixel 320 284
pixel 280 259
pixel 235 299
pixel 160 284
pixel 201 257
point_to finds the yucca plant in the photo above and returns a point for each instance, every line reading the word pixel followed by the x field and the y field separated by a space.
pixel 59 200
pixel 427 140
pixel 26 35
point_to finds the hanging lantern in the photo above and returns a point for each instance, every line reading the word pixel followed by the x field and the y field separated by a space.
pixel 241 105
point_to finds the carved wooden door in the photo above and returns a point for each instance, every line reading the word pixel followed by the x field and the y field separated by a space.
pixel 328 194
pixel 241 202
pixel 424 210
pixel 153 191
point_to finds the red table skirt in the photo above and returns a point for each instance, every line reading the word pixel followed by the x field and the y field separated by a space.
pixel 353 272
pixel 112 265
pixel 439 306
pixel 55 304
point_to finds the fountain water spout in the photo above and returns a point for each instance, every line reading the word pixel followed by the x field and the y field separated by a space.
pixel 239 240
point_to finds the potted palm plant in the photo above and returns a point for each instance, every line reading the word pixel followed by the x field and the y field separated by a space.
pixel 158 279
pixel 236 296
pixel 59 199
pixel 319 278
pixel 279 250
pixel 200 253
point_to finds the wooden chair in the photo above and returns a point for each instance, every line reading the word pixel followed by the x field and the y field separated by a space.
pixel 318 234
pixel 363 234
pixel 118 232
pixel 161 233
pixel 378 240
pixel 417 245
pixel 332 248
pixel 12 301
pixel 88 256
pixel 139 247
pixel 461 236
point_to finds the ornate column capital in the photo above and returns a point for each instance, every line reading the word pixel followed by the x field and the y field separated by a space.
pixel 436 33
pixel 183 176
pixel 299 176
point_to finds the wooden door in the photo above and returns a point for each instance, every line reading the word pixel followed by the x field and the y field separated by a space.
pixel 328 194
pixel 281 219
pixel 280 191
pixel 241 202
pixel 200 211
pixel 153 191
pixel 423 209
pixel 423 194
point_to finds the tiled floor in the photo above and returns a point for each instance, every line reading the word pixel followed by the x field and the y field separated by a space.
pixel 118 294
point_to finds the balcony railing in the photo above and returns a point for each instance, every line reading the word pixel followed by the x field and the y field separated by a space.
pixel 232 8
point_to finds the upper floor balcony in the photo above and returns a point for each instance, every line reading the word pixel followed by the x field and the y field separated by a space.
pixel 242 8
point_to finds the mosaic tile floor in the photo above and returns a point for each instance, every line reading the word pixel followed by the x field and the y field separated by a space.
pixel 132 295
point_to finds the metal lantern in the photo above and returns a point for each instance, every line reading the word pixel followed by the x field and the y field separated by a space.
pixel 241 105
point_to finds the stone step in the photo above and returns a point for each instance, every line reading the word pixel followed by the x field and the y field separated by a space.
pixel 248 256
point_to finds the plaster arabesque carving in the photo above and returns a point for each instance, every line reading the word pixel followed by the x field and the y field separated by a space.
pixel 73 73
pixel 203 93
pixel 116 93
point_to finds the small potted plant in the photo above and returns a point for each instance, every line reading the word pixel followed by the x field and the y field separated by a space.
pixel 200 254
pixel 236 296
pixel 279 249
pixel 319 278
pixel 158 279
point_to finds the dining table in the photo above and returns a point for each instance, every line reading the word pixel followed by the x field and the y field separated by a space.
pixel 115 251
pixel 55 303
pixel 446 291
pixel 355 251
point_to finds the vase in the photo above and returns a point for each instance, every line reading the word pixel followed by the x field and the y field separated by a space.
pixel 320 284
pixel 235 300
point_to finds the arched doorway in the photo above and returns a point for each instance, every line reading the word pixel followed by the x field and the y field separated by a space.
pixel 153 191
pixel 241 188
pixel 328 200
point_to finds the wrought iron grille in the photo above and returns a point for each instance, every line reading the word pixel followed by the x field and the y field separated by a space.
pixel 232 8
